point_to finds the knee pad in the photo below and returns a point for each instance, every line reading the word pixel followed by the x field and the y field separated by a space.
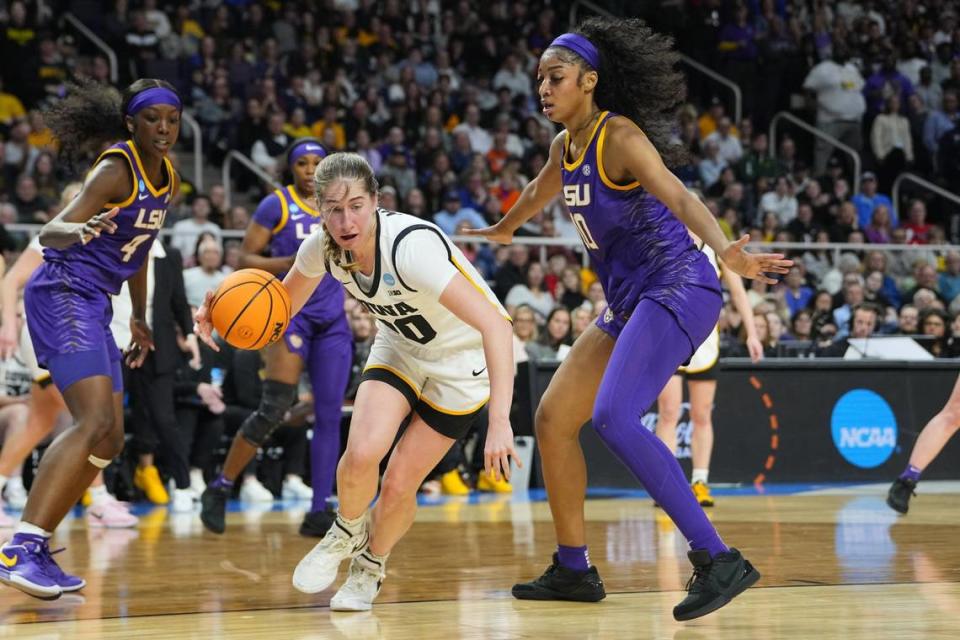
pixel 276 399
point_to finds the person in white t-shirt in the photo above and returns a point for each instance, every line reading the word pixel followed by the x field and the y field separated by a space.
pixel 838 86
pixel 207 275
pixel 186 232
pixel 443 349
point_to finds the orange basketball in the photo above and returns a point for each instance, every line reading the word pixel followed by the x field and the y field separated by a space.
pixel 251 309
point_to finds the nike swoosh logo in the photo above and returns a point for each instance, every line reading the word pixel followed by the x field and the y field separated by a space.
pixel 476 373
pixel 7 561
pixel 142 196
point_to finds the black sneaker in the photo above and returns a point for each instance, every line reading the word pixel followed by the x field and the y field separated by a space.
pixel 316 523
pixel 714 582
pixel 898 498
pixel 213 509
pixel 560 583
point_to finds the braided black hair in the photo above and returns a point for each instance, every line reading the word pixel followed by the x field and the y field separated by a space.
pixel 637 78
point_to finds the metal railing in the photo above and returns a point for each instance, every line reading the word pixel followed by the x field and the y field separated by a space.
pixel 926 184
pixel 249 164
pixel 809 128
pixel 197 134
pixel 97 41
pixel 687 60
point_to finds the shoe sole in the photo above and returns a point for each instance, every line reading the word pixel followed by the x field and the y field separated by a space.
pixel 742 585
pixel 209 526
pixel 350 607
pixel 29 588
pixel 547 594
pixel 895 507
pixel 73 589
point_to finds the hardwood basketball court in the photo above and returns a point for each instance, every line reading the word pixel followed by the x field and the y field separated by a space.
pixel 835 564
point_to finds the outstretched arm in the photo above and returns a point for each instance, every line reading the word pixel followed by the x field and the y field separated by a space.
pixel 82 220
pixel 629 154
pixel 535 196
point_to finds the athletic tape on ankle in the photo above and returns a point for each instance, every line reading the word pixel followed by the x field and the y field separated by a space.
pixel 99 463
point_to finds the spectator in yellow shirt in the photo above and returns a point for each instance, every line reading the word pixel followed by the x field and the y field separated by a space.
pixel 11 109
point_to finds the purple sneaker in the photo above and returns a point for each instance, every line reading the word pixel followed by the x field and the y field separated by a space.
pixel 25 566
pixel 68 583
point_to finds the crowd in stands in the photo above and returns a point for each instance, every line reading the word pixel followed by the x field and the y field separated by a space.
pixel 441 98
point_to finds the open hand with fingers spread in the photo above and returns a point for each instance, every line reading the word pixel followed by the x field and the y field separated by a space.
pixel 141 343
pixel 755 266
pixel 100 223
pixel 203 325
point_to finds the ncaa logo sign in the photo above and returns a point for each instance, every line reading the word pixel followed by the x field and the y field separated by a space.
pixel 864 428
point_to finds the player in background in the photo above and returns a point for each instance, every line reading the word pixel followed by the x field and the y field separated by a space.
pixel 45 402
pixel 98 241
pixel 440 329
pixel 701 378
pixel 614 87
pixel 934 437
pixel 318 338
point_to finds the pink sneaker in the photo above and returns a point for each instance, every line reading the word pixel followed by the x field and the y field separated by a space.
pixel 111 514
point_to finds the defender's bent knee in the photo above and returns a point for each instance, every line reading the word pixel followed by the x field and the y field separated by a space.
pixel 277 398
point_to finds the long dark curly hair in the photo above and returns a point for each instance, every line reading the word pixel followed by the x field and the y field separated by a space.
pixel 92 116
pixel 637 78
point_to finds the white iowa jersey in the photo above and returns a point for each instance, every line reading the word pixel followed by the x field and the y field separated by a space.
pixel 415 262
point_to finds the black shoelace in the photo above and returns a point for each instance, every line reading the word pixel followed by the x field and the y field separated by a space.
pixel 699 579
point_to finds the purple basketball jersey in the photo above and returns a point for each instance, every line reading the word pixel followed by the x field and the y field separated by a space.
pixel 635 242
pixel 106 262
pixel 291 221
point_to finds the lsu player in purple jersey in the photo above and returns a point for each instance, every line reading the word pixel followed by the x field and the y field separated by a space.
pixel 318 337
pixel 613 87
pixel 98 241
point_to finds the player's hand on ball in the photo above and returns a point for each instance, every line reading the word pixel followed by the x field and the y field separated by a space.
pixel 100 223
pixel 202 325
pixel 499 449
pixel 754 265
pixel 141 343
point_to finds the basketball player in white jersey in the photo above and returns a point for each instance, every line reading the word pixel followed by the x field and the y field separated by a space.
pixel 443 350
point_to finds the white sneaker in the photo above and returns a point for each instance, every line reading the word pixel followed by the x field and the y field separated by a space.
pixel 15 493
pixel 295 489
pixel 197 485
pixel 318 569
pixel 361 588
pixel 253 491
pixel 181 501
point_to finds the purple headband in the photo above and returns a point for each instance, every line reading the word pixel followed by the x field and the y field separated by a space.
pixel 151 97
pixel 303 149
pixel 579 45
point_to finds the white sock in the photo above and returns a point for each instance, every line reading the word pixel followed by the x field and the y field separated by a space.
pixel 99 494
pixel 355 526
pixel 32 529
pixel 699 475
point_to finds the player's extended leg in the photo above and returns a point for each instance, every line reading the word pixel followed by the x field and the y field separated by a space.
pixel 650 348
pixel 67 468
pixel 419 450
pixel 565 407
pixel 668 411
pixel 377 413
pixel 282 373
pixel 928 446
pixel 330 361
pixel 43 407
pixel 702 394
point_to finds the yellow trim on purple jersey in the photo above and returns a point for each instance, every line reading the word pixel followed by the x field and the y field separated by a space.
pixel 603 174
pixel 284 213
pixel 571 166
pixel 300 203
pixel 146 179
pixel 133 179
